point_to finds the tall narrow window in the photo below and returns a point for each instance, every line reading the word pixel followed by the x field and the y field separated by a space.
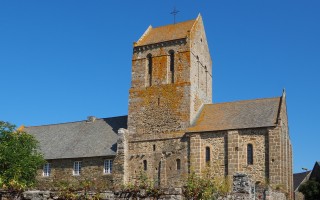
pixel 178 164
pixel 46 169
pixel 171 66
pixel 145 167
pixel 107 169
pixel 250 154
pixel 77 168
pixel 207 154
pixel 149 77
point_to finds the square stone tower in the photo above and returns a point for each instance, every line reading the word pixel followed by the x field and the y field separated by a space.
pixel 171 78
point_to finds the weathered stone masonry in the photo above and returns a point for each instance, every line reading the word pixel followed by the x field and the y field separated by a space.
pixel 62 172
pixel 163 110
pixel 172 127
pixel 160 115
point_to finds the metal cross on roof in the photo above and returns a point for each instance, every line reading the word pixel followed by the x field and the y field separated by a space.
pixel 174 13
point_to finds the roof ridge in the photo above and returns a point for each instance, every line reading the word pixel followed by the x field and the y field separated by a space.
pixel 72 122
pixel 174 24
pixel 248 100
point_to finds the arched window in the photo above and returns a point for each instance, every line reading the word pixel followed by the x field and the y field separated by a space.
pixel 171 74
pixel 149 77
pixel 207 154
pixel 178 164
pixel 145 167
pixel 250 154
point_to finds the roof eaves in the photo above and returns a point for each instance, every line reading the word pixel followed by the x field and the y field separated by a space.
pixel 80 157
pixel 230 129
pixel 158 43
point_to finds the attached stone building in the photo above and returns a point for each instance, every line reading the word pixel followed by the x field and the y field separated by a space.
pixel 172 127
pixel 78 151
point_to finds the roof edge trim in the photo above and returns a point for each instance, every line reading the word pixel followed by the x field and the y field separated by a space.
pixel 143 35
pixel 230 129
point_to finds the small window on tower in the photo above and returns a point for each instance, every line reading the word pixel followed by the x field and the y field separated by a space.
pixel 149 69
pixel 171 74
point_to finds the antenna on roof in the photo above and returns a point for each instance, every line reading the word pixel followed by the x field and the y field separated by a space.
pixel 174 13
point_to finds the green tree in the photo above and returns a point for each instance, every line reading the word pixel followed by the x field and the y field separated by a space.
pixel 19 158
pixel 310 190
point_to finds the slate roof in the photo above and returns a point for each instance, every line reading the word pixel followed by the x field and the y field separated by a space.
pixel 165 33
pixel 79 139
pixel 315 174
pixel 238 115
pixel 298 178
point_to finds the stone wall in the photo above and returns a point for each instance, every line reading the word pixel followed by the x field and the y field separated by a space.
pixel 163 106
pixel 161 157
pixel 120 163
pixel 62 172
pixel 218 148
pixel 257 137
pixel 275 195
pixel 243 189
pixel 201 69
pixel 228 152
pixel 280 153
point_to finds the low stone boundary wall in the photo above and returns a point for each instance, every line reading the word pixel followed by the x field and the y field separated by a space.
pixel 243 189
pixel 171 193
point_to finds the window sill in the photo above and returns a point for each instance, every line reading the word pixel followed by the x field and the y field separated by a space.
pixel 76 174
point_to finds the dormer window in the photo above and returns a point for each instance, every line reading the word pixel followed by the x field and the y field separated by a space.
pixel 149 70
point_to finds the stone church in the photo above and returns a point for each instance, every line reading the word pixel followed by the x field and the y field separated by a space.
pixel 172 127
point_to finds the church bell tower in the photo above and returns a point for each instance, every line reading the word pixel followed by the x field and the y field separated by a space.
pixel 171 78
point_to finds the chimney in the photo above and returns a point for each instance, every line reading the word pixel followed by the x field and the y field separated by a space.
pixel 91 118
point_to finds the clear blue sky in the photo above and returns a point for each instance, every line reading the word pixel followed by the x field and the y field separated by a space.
pixel 62 61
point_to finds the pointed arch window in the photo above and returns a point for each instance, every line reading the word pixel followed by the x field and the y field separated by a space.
pixel 149 70
pixel 208 154
pixel 171 73
pixel 249 154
